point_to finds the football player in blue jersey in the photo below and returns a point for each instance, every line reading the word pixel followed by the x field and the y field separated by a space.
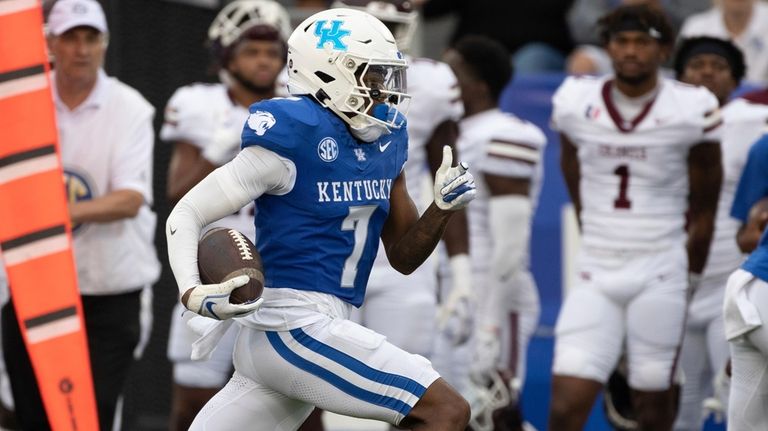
pixel 325 169
pixel 745 306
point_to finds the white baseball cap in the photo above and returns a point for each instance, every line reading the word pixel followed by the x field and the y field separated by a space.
pixel 68 14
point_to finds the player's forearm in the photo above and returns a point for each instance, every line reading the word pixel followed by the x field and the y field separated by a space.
pixel 569 165
pixel 211 199
pixel 113 206
pixel 456 235
pixel 699 240
pixel 183 182
pixel 705 175
pixel 701 226
pixel 417 244
pixel 572 183
pixel 186 169
pixel 748 237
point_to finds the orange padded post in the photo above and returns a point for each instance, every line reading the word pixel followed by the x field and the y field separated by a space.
pixel 35 232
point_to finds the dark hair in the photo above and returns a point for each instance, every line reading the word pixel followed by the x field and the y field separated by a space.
pixel 710 45
pixel 645 18
pixel 488 60
pixel 223 55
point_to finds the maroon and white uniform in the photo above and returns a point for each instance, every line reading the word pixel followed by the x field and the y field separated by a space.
pixel 632 264
pixel 500 144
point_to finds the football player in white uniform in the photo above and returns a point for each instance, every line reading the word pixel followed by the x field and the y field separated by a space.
pixel 204 122
pixel 404 307
pixel 638 151
pixel 506 152
pixel 718 65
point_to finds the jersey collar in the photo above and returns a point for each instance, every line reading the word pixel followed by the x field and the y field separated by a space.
pixel 622 124
pixel 94 100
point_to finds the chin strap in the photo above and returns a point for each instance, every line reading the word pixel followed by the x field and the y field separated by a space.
pixel 370 132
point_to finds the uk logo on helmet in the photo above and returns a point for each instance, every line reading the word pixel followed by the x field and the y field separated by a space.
pixel 332 33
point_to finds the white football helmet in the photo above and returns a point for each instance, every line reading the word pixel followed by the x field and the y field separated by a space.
pixel 349 62
pixel 241 15
pixel 485 400
pixel 397 15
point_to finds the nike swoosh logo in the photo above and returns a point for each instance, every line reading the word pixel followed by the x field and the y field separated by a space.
pixel 173 231
pixel 209 306
pixel 383 148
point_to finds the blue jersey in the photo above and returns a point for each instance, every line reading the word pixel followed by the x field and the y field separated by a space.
pixel 323 235
pixel 753 186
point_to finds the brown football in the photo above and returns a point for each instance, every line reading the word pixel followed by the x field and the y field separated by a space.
pixel 226 253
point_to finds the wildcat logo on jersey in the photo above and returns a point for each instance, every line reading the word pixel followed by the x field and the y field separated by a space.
pixel 77 189
pixel 261 121
pixel 331 34
pixel 328 149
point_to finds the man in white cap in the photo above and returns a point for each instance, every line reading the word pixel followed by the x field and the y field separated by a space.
pixel 106 139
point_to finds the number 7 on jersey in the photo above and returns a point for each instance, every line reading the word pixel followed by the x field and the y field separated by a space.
pixel 356 220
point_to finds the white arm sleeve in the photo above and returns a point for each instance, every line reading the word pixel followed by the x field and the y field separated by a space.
pixel 252 173
pixel 510 219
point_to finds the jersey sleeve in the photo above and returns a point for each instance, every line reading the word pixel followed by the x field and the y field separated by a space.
pixel 753 184
pixel 712 118
pixel 561 101
pixel 272 125
pixel 186 117
pixel 131 158
pixel 514 152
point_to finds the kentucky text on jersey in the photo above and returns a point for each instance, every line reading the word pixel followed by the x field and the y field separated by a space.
pixel 353 191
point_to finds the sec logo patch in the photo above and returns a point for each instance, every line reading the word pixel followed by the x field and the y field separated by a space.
pixel 328 149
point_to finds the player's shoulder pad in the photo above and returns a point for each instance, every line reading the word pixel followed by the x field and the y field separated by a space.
pixel 516 129
pixel 574 88
pixel 193 95
pixel 744 111
pixel 697 102
pixel 193 102
pixel 276 123
pixel 741 110
pixel 570 98
pixel 689 96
